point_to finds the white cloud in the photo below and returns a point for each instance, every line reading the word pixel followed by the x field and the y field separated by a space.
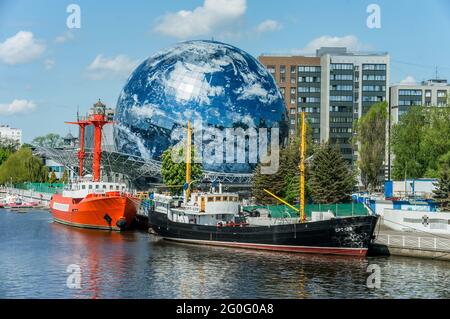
pixel 351 42
pixel 49 64
pixel 268 25
pixel 214 17
pixel 409 80
pixel 17 107
pixel 103 67
pixel 67 36
pixel 21 48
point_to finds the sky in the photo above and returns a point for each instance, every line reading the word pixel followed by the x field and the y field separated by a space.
pixel 54 61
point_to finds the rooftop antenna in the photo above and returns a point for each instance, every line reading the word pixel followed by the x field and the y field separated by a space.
pixel 437 76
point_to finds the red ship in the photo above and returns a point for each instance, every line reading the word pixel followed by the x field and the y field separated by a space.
pixel 92 203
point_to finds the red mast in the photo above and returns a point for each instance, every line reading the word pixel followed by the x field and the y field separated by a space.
pixel 98 120
pixel 81 154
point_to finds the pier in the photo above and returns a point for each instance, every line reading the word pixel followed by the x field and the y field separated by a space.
pixel 29 195
pixel 410 244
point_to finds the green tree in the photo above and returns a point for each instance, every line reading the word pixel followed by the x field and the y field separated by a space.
pixel 50 140
pixel 174 172
pixel 53 179
pixel 435 141
pixel 371 139
pixel 285 182
pixel 65 177
pixel 406 141
pixel 331 179
pixel 441 193
pixel 22 166
pixel 7 147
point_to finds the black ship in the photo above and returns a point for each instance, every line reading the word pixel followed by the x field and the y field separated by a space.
pixel 214 218
pixel 219 225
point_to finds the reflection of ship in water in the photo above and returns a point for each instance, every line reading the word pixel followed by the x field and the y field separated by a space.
pixel 101 257
pixel 217 272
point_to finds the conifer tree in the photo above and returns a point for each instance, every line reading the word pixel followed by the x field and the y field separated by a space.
pixel 442 192
pixel 331 179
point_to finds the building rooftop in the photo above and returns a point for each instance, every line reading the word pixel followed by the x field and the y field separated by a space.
pixel 430 82
pixel 328 50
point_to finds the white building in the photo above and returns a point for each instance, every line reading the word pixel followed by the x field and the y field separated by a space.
pixel 7 132
pixel 433 92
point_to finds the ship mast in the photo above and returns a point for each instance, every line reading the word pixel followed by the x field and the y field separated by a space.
pixel 188 162
pixel 302 168
pixel 98 120
pixel 81 153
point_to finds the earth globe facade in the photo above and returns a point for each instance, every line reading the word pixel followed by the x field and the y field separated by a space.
pixel 207 82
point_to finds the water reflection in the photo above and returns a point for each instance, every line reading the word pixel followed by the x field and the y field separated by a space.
pixel 35 254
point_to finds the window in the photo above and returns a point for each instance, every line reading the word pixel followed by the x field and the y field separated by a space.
pixel 410 92
pixel 376 88
pixel 293 69
pixel 372 67
pixel 83 186
pixel 441 94
pixel 309 89
pixel 90 186
pixel 341 87
pixel 303 68
pixel 341 66
pixel 427 93
pixel 373 98
pixel 309 79
pixel 292 111
pixel 341 98
pixel 292 80
pixel 292 90
pixel 341 77
pixel 371 77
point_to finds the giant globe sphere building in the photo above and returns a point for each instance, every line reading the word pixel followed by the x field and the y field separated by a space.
pixel 214 82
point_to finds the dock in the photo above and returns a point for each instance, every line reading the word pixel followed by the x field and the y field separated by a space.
pixel 410 244
pixel 29 195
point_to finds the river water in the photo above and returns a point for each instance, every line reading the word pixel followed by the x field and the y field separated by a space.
pixel 42 259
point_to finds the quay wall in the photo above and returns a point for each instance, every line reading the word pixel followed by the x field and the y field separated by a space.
pixel 30 195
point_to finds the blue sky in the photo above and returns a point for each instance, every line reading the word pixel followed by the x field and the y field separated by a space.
pixel 48 70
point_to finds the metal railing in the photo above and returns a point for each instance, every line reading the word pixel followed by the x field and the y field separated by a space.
pixel 414 242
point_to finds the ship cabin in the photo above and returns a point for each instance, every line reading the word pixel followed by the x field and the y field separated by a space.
pixel 84 188
pixel 212 209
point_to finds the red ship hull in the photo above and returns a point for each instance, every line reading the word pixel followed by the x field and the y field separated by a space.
pixel 110 211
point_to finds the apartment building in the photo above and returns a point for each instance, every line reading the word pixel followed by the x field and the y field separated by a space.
pixel 434 92
pixel 334 88
pixel 10 133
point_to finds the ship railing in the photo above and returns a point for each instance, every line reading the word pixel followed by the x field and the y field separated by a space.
pixel 414 242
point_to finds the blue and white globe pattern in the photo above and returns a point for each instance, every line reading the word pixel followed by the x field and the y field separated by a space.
pixel 216 83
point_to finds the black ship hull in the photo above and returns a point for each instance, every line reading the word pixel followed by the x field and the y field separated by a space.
pixel 341 236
